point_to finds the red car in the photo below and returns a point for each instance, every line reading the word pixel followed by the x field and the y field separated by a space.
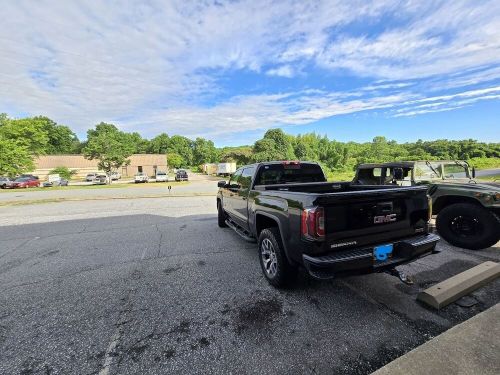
pixel 24 182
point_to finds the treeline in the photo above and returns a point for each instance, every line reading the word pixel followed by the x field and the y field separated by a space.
pixel 338 156
pixel 23 139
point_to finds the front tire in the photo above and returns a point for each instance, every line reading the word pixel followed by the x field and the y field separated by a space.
pixel 468 225
pixel 273 261
pixel 221 216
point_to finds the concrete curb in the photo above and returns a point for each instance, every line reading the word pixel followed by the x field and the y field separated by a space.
pixel 471 347
pixel 450 290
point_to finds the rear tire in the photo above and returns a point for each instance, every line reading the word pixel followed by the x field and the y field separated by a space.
pixel 273 261
pixel 468 225
pixel 221 216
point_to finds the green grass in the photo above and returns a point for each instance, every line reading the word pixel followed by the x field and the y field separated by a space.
pixel 341 176
pixel 490 178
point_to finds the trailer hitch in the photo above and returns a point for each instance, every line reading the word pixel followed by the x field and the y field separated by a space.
pixel 405 278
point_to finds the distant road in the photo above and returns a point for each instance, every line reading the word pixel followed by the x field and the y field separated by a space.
pixel 199 184
pixel 487 172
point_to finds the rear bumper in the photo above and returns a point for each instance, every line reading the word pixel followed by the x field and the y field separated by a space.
pixel 361 260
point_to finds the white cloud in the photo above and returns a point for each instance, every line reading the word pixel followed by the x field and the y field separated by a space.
pixel 282 71
pixel 153 66
pixel 449 38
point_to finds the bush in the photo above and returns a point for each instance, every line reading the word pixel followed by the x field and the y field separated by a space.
pixel 63 172
pixel 484 163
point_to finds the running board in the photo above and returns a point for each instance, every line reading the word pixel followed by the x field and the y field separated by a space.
pixel 239 230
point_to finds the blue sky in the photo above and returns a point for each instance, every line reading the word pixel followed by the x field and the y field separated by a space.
pixel 230 70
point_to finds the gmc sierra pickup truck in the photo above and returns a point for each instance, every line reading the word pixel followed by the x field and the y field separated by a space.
pixel 330 228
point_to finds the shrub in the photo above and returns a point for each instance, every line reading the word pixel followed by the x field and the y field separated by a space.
pixel 64 172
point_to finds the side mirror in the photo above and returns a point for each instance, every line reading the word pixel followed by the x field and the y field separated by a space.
pixel 473 172
pixel 221 184
pixel 398 174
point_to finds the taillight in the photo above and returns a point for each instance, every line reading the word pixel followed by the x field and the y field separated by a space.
pixel 313 223
pixel 429 201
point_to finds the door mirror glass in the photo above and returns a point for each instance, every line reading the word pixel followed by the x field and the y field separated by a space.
pixel 398 174
pixel 221 184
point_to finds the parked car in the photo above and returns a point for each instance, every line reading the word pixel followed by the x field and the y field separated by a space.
pixel 181 175
pixel 29 176
pixel 60 182
pixel 329 228
pixel 91 177
pixel 4 182
pixel 24 182
pixel 467 210
pixel 115 176
pixel 161 176
pixel 141 177
pixel 101 179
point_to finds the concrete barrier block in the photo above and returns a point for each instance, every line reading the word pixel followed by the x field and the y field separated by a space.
pixel 451 289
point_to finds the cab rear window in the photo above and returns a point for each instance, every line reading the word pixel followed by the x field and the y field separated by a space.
pixel 289 174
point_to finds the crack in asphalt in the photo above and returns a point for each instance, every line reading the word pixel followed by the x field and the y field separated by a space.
pixel 104 266
pixel 83 231
pixel 18 246
pixel 159 241
pixel 113 347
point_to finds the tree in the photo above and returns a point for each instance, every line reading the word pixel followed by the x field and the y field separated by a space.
pixel 14 158
pixel 182 146
pixel 140 144
pixel 240 155
pixel 204 151
pixel 175 160
pixel 265 150
pixel 28 133
pixel 110 146
pixel 159 144
pixel 61 139
pixel 282 145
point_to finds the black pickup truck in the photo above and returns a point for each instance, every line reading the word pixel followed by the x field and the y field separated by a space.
pixel 330 228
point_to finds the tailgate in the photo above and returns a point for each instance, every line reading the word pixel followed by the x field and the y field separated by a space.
pixel 373 216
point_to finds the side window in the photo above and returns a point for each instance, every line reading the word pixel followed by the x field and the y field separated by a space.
pixel 235 177
pixel 246 178
pixel 377 172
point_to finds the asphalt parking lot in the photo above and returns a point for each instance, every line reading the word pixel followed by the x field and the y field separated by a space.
pixel 137 286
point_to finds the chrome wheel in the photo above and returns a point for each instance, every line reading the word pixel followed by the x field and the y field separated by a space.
pixel 268 255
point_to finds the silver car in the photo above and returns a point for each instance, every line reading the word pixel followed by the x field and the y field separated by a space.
pixel 4 182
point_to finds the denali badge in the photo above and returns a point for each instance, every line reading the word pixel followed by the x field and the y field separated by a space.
pixel 335 245
pixel 384 219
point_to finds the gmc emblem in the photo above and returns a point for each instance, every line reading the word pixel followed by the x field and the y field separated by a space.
pixel 384 219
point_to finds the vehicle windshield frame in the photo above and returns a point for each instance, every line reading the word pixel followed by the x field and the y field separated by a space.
pixel 438 167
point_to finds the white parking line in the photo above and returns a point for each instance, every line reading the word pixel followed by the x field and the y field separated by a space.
pixel 108 357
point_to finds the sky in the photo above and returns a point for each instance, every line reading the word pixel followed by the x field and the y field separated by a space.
pixel 230 70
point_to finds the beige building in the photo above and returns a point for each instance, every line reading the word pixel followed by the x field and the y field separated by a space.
pixel 147 163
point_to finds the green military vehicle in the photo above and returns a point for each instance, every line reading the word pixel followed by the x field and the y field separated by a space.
pixel 468 211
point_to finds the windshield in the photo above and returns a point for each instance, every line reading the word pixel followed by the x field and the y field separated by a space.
pixel 440 169
pixel 455 170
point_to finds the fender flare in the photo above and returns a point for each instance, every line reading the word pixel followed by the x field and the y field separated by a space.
pixel 278 221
